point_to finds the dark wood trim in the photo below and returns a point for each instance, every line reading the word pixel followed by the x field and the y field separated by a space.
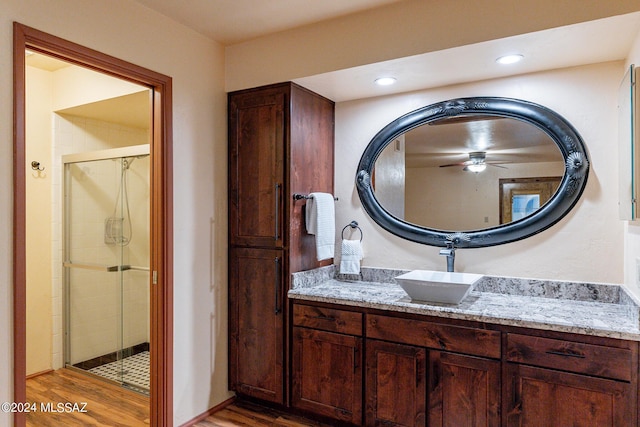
pixel 161 401
pixel 19 225
pixel 209 412
pixel 37 374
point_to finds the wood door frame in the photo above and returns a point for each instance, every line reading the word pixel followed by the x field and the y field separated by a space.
pixel 161 229
pixel 545 187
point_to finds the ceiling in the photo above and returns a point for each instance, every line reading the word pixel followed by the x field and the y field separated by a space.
pixel 240 20
pixel 446 142
pixel 235 21
pixel 561 47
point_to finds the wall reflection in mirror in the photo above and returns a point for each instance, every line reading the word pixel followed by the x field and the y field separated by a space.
pixel 468 172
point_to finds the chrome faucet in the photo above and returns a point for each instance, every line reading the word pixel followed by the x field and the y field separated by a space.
pixel 450 253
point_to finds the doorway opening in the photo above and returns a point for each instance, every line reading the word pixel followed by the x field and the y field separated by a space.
pixel 147 271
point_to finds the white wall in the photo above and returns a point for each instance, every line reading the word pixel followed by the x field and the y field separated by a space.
pixel 585 245
pixel 134 33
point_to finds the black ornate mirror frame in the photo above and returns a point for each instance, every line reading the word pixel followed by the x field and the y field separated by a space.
pixel 559 130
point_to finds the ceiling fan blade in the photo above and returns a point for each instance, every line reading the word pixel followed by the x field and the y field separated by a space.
pixel 454 164
pixel 496 165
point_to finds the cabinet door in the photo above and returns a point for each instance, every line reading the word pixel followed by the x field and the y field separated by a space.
pixel 256 169
pixel 256 324
pixel 327 374
pixel 395 384
pixel 463 391
pixel 541 397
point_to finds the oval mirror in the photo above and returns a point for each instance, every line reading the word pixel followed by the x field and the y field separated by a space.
pixel 475 171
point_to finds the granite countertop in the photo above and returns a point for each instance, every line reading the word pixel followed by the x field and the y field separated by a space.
pixel 583 308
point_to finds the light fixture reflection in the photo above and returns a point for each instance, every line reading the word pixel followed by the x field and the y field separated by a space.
pixel 510 59
pixel 476 167
pixel 385 81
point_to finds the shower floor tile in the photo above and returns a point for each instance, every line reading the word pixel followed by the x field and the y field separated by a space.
pixel 133 370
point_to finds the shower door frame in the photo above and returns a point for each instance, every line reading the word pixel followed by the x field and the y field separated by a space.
pixel 161 209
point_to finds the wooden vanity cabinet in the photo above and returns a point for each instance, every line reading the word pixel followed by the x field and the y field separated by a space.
pixel 436 372
pixel 327 363
pixel 280 143
pixel 437 386
pixel 544 397
pixel 256 178
pixel 412 386
pixel 551 382
pixel 256 335
pixel 463 390
pixel 396 385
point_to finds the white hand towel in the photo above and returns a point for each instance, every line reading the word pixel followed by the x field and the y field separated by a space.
pixel 351 256
pixel 320 220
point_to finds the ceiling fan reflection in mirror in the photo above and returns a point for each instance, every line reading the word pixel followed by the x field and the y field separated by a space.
pixel 476 163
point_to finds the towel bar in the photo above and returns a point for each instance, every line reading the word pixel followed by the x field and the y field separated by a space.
pixel 298 196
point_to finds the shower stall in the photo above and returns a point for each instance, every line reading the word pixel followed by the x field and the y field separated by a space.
pixel 106 264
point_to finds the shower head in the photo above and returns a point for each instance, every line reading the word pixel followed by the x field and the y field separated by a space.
pixel 128 160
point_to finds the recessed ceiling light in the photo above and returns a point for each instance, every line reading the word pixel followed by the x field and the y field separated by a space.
pixel 385 81
pixel 510 59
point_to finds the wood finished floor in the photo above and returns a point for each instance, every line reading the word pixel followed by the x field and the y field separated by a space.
pixel 108 405
pixel 245 414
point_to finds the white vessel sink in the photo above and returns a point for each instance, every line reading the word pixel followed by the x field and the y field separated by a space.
pixel 437 286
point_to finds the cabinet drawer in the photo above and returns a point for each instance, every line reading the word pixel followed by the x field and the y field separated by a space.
pixel 473 341
pixel 328 319
pixel 591 359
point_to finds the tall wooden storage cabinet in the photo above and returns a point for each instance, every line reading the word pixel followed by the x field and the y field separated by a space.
pixel 280 143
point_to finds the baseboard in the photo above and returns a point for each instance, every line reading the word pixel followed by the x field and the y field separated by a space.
pixel 46 371
pixel 211 411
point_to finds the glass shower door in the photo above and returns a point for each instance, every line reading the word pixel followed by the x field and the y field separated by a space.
pixel 106 256
pixel 135 278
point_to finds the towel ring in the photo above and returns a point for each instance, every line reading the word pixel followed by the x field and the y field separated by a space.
pixel 352 224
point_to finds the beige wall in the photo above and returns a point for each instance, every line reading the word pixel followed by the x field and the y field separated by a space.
pixel 586 245
pixel 390 176
pixel 132 32
pixel 75 86
pixel 452 199
pixel 632 228
pixel 38 186
pixel 398 30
